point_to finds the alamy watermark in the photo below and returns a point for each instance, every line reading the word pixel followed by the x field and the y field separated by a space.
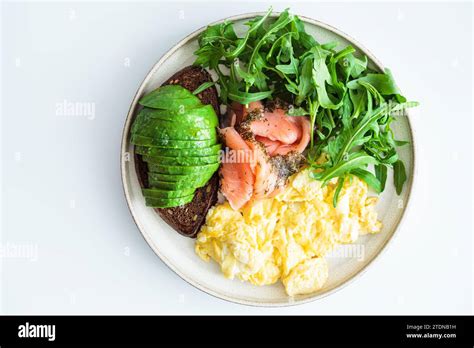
pixel 26 251
pixel 76 109
pixel 348 251
pixel 28 330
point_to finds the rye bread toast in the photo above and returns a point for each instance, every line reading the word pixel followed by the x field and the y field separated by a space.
pixel 188 219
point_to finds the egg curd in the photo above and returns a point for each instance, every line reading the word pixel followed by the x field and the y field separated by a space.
pixel 286 237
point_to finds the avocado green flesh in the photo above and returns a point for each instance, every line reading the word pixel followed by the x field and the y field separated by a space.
pixel 168 202
pixel 177 185
pixel 168 130
pixel 202 117
pixel 183 170
pixel 175 144
pixel 170 152
pixel 167 134
pixel 176 135
pixel 182 161
pixel 160 193
pixel 193 179
pixel 170 97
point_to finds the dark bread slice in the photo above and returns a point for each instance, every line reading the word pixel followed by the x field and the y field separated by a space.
pixel 189 218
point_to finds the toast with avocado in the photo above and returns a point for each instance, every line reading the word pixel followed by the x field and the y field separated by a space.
pixel 177 149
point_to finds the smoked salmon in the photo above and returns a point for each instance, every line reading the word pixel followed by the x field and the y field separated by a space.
pixel 266 176
pixel 301 143
pixel 272 144
pixel 274 126
pixel 237 178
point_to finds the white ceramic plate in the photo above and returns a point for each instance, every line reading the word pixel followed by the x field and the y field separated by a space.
pixel 178 252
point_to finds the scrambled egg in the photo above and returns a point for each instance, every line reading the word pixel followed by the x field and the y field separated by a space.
pixel 286 237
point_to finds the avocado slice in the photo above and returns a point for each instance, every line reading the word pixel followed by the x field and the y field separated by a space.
pixel 168 202
pixel 182 161
pixel 170 97
pixel 183 170
pixel 161 193
pixel 175 144
pixel 169 152
pixel 203 117
pixel 176 185
pixel 155 128
pixel 173 133
pixel 195 178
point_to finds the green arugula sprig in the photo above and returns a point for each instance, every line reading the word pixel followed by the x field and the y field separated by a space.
pixel 350 105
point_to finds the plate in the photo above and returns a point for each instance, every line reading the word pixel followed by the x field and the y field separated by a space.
pixel 177 251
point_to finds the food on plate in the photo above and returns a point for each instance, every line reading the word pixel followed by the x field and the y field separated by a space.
pixel 291 168
pixel 287 236
pixel 179 176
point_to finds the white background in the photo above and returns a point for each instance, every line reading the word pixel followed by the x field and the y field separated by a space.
pixel 61 187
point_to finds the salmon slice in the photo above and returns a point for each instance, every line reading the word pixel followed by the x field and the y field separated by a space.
pixel 237 178
pixel 270 145
pixel 266 177
pixel 233 140
pixel 237 183
pixel 302 142
pixel 276 126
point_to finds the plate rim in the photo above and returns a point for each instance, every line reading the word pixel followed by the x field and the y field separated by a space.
pixel 147 237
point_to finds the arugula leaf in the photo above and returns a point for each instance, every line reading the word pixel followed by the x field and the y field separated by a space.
pixel 346 111
pixel 354 161
pixel 322 77
pixel 313 108
pixel 218 32
pixel 238 71
pixel 290 68
pixel 399 176
pixel 305 86
pixel 340 184
pixel 292 111
pixel 353 66
pixel 203 86
pixel 281 22
pixel 248 97
pixel 369 178
pixel 401 142
pixel 355 137
pixel 332 67
pixel 252 29
pixel 381 174
pixel 383 83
